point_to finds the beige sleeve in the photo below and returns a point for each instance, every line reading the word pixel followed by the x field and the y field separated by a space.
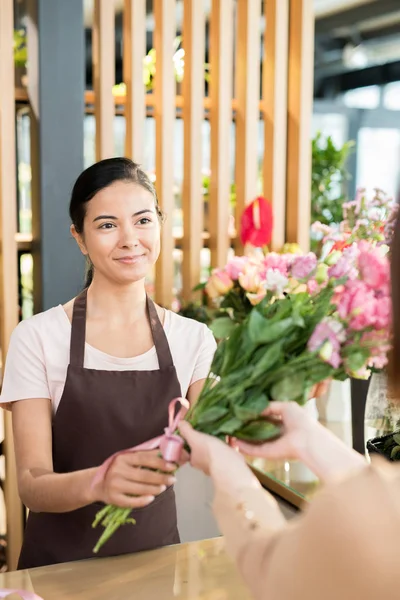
pixel 344 547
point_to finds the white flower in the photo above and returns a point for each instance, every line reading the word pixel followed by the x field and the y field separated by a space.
pixel 275 281
pixel 337 328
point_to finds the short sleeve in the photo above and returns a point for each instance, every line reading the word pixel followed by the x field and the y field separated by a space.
pixel 205 356
pixel 25 369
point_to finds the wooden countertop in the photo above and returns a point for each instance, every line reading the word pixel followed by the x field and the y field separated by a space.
pixel 194 571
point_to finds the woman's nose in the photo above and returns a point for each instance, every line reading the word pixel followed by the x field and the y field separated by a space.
pixel 129 236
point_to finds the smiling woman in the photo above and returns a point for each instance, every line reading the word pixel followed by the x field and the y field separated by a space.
pixel 96 376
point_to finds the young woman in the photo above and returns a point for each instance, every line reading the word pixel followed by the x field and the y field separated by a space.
pixel 96 376
pixel 345 546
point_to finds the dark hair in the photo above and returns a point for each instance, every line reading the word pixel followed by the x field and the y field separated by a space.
pixel 394 361
pixel 99 176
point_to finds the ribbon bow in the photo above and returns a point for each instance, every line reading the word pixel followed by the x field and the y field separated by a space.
pixel 25 595
pixel 169 443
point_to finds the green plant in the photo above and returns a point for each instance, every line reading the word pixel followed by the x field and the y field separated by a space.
pixel 206 190
pixel 20 48
pixel 328 176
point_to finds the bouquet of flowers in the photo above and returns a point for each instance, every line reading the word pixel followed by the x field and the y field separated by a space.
pixel 285 323
pixel 365 218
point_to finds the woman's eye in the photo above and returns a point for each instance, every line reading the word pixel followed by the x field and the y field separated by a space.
pixel 107 226
pixel 144 221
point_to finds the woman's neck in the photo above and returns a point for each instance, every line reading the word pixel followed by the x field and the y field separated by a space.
pixel 118 304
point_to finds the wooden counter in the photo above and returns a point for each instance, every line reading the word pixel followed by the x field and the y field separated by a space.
pixel 198 570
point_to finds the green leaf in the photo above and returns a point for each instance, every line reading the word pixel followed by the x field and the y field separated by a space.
pixel 269 358
pixel 228 426
pixel 258 431
pixel 263 331
pixel 289 388
pixel 357 359
pixel 396 437
pixel 211 415
pixel 395 452
pixel 223 327
pixel 253 406
pixel 232 348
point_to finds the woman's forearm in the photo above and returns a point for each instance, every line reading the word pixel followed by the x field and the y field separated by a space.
pixel 328 456
pixel 46 491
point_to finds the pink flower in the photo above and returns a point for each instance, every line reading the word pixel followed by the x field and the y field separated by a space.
pixel 374 268
pixel 257 297
pixel 277 261
pixel 357 304
pixel 326 339
pixel 236 266
pixel 303 266
pixel 218 284
pixel 313 287
pixel 250 279
pixel 383 313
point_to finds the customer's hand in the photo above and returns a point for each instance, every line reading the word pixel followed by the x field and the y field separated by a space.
pixel 307 440
pixel 217 459
pixel 134 479
pixel 297 430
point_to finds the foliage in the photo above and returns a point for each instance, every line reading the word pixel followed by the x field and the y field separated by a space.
pixel 20 48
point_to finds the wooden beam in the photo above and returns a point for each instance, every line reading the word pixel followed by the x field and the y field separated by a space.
pixel 300 106
pixel 248 97
pixel 274 91
pixel 104 76
pixel 221 89
pixel 8 261
pixel 193 92
pixel 134 51
pixel 164 111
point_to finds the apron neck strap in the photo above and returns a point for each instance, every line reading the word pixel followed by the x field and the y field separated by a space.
pixel 159 338
pixel 78 333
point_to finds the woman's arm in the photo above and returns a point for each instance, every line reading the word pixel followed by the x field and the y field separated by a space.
pixel 41 489
pixel 127 484
pixel 333 551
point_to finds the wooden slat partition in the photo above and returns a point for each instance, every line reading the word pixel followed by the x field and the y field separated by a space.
pixel 274 93
pixel 8 260
pixel 134 51
pixel 193 114
pixel 164 110
pixel 247 95
pixel 104 75
pixel 221 71
pixel 300 106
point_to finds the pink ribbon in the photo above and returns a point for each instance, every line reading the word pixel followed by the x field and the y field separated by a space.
pixel 22 593
pixel 170 444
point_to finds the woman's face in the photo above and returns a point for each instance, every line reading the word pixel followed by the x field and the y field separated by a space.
pixel 121 233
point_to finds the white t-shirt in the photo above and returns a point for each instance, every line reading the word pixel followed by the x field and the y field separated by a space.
pixel 38 355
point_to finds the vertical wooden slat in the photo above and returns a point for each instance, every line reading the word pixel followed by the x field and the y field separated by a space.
pixel 8 259
pixel 193 93
pixel 134 49
pixel 164 110
pixel 275 72
pixel 300 103
pixel 104 76
pixel 221 71
pixel 248 96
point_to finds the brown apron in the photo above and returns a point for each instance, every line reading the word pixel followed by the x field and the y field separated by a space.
pixel 102 412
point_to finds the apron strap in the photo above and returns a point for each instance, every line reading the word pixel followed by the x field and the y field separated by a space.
pixel 160 339
pixel 78 331
pixel 78 334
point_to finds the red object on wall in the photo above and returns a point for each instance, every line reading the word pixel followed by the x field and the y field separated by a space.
pixel 256 223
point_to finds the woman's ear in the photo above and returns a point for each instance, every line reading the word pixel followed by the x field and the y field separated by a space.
pixel 79 240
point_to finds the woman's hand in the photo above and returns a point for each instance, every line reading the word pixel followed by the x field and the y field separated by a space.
pixel 298 428
pixel 307 440
pixel 214 458
pixel 134 479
